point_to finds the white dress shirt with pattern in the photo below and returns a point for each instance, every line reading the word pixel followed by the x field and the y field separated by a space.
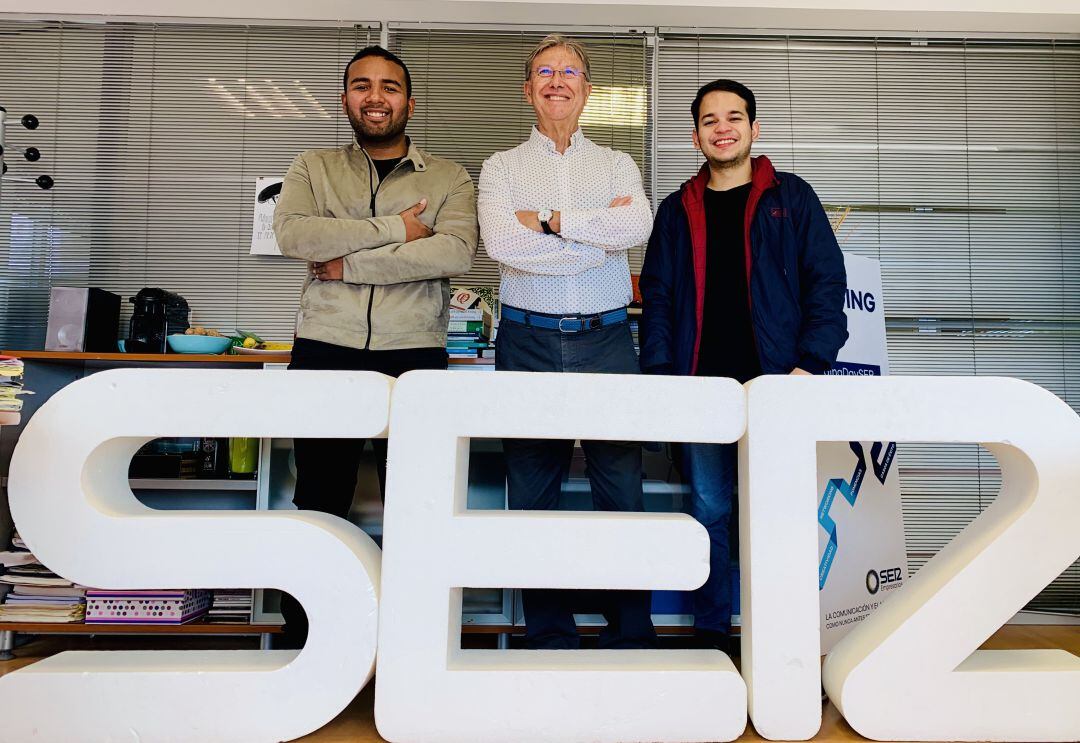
pixel 584 269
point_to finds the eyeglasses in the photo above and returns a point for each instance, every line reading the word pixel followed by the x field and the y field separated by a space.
pixel 568 73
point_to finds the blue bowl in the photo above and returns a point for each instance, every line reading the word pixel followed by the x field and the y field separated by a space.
pixel 198 343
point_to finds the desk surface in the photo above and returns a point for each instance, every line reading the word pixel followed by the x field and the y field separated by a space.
pixel 170 358
pixel 182 358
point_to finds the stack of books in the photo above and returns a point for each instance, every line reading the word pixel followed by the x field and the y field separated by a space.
pixel 469 334
pixel 33 593
pixel 11 384
pixel 231 606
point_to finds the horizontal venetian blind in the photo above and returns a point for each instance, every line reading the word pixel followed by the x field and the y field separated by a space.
pixel 155 134
pixel 960 163
pixel 470 104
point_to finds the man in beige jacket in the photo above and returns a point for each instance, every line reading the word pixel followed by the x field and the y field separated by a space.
pixel 383 226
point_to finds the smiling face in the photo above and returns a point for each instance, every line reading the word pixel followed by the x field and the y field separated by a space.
pixel 558 99
pixel 375 100
pixel 724 133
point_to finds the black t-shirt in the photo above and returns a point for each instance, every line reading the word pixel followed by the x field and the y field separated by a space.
pixel 383 167
pixel 727 337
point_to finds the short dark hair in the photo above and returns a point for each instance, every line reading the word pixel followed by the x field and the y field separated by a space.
pixel 378 51
pixel 727 86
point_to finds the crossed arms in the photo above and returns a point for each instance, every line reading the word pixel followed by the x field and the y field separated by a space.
pixel 378 250
pixel 514 237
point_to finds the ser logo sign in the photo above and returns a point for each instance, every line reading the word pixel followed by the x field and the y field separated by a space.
pixel 875 579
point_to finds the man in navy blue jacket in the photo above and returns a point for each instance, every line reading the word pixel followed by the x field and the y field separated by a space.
pixel 742 277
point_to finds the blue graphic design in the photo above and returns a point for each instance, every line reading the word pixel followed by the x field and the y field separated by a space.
pixel 850 490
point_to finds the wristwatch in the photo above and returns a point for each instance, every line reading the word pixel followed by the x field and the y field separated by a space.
pixel 545 215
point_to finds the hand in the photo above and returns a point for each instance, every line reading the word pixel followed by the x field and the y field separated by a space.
pixel 329 271
pixel 799 372
pixel 530 220
pixel 414 228
pixel 621 201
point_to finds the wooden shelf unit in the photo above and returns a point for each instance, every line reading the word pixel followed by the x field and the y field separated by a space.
pixel 516 629
pixel 169 358
pixel 163 483
pixel 185 358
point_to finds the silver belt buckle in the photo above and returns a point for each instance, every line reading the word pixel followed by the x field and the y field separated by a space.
pixel 571 319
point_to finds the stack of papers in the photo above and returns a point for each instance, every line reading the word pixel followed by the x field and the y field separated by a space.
pixel 33 574
pixel 18 607
pixel 11 385
pixel 231 606
pixel 13 557
pixel 17 555
pixel 33 593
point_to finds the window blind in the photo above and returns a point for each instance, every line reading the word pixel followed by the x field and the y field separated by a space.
pixel 155 134
pixel 959 160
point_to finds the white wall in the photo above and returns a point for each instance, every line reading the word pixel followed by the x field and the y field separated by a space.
pixel 1044 17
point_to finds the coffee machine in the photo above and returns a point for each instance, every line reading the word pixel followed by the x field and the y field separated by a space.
pixel 158 313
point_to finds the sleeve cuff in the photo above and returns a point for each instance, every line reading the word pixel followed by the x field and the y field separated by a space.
pixel 664 369
pixel 348 271
pixel 396 226
pixel 813 365
pixel 566 225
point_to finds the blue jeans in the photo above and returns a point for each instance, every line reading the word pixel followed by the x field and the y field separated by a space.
pixel 712 472
pixel 536 470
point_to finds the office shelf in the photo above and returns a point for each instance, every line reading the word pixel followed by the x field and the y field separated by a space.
pixel 191 628
pixel 146 483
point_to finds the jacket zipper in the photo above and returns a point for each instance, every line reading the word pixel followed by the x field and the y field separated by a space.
pixel 749 249
pixel 371 287
pixel 374 192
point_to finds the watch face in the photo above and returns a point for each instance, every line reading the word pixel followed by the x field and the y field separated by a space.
pixel 544 215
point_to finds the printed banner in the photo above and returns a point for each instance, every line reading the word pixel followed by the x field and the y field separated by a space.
pixel 860 520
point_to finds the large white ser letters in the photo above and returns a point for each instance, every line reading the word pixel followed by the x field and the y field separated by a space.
pixel 72 503
pixel 428 688
pixel 912 671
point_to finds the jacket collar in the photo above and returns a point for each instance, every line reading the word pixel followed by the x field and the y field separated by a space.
pixel 414 154
pixel 762 177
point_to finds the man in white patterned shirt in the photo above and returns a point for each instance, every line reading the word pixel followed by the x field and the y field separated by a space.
pixel 559 213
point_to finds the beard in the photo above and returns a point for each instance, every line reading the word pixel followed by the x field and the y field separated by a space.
pixel 734 162
pixel 391 130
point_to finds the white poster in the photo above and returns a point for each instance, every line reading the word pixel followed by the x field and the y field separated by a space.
pixel 865 352
pixel 861 550
pixel 262 226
